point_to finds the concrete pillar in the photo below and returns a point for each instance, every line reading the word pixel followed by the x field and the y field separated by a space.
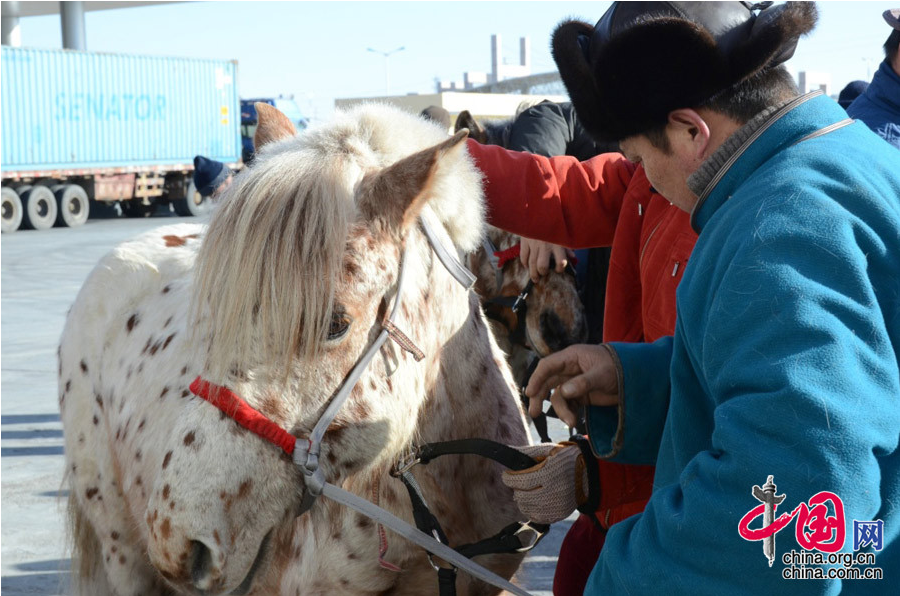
pixel 72 19
pixel 11 32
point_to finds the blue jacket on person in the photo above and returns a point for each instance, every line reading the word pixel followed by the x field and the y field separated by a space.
pixel 879 105
pixel 785 362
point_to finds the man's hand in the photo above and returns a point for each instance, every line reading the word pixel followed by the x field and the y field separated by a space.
pixel 580 375
pixel 551 490
pixel 535 254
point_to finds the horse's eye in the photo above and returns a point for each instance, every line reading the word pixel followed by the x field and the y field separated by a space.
pixel 340 323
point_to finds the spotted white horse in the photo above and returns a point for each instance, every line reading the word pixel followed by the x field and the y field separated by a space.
pixel 276 300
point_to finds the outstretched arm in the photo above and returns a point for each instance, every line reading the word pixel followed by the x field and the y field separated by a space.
pixel 557 199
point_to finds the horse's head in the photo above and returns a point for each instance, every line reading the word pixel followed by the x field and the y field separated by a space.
pixel 298 268
pixel 551 316
pixel 488 132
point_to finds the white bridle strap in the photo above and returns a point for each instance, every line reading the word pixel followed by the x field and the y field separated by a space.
pixel 449 260
pixel 308 459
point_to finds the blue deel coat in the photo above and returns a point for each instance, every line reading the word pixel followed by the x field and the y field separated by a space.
pixel 784 363
pixel 879 105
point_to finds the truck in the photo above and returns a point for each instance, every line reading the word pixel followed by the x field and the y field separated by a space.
pixel 84 130
pixel 249 119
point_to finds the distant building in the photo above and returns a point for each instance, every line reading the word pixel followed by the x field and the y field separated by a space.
pixel 813 81
pixel 499 70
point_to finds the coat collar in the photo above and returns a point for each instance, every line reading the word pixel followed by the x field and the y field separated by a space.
pixel 884 91
pixel 790 124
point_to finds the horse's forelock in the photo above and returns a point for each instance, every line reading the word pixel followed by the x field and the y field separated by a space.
pixel 271 258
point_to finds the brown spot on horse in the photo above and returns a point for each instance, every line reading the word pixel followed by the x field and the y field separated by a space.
pixel 176 241
pixel 165 529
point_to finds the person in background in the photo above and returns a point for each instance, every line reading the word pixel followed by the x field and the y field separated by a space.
pixel 549 129
pixel 438 115
pixel 210 176
pixel 850 92
pixel 879 106
pixel 783 367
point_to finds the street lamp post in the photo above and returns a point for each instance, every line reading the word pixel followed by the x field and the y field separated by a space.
pixel 387 71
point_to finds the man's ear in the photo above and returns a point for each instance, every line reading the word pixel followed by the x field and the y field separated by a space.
pixel 689 132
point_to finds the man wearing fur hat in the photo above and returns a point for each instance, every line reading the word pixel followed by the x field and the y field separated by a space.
pixel 783 370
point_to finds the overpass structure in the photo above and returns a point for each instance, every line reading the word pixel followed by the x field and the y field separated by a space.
pixel 71 18
pixel 536 84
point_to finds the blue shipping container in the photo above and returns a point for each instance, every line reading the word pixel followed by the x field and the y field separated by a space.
pixel 67 110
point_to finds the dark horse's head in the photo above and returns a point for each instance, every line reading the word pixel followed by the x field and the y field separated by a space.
pixel 487 132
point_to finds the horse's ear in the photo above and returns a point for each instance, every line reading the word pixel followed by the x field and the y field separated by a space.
pixel 467 120
pixel 397 194
pixel 272 125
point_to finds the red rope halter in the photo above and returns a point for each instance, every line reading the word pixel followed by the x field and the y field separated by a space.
pixel 507 254
pixel 236 408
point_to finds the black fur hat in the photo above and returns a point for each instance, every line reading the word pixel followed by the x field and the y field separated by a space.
pixel 644 59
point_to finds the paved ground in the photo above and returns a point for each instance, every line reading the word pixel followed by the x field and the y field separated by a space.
pixel 41 274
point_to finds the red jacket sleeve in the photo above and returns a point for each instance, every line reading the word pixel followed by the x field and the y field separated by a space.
pixel 555 199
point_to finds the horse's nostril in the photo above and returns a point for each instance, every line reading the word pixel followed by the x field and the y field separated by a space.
pixel 201 565
pixel 553 331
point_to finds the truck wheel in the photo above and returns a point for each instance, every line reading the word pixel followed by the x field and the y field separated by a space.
pixel 40 208
pixel 73 206
pixel 193 203
pixel 12 210
pixel 136 209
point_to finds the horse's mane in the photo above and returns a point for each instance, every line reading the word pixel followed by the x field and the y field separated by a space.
pixel 272 255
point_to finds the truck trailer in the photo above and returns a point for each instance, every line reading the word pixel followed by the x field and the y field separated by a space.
pixel 83 129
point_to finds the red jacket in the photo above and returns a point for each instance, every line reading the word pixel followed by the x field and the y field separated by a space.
pixel 605 201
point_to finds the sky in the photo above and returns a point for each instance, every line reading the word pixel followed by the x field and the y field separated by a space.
pixel 318 51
